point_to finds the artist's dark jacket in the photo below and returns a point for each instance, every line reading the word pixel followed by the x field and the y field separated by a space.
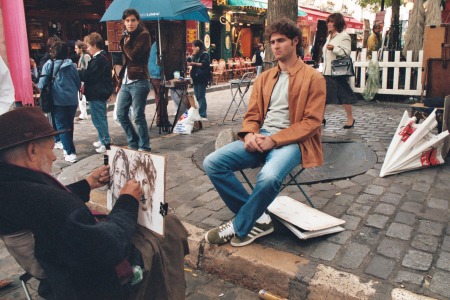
pixel 77 253
pixel 136 52
pixel 97 78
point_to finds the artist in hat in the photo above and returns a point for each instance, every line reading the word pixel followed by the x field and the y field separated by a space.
pixel 81 257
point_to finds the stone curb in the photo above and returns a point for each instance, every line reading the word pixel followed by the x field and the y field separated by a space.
pixel 284 274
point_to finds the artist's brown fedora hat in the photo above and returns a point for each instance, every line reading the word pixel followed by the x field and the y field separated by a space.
pixel 23 125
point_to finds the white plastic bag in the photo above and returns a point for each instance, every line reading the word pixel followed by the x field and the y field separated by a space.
pixel 185 123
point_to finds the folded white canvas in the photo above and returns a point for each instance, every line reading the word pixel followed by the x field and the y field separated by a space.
pixel 303 220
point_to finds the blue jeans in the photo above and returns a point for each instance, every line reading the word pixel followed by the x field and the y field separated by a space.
pixel 98 114
pixel 221 165
pixel 56 137
pixel 63 116
pixel 134 94
pixel 200 94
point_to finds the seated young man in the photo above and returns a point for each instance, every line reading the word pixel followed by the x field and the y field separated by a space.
pixel 83 258
pixel 281 129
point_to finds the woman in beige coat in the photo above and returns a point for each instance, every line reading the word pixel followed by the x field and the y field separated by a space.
pixel 338 44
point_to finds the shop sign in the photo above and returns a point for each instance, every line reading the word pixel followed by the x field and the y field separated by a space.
pixel 191 35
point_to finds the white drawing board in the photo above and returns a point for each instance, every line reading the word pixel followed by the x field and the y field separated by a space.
pixel 149 170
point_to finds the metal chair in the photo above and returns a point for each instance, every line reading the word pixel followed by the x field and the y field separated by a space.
pixel 24 280
pixel 290 180
pixel 239 88
pixel 228 136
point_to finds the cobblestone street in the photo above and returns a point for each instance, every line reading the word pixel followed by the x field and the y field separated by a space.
pixel 397 228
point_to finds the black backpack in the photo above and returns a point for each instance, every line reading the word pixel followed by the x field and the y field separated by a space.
pixel 46 98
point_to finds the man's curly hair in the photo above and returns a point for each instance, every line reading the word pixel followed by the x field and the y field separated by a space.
pixel 288 28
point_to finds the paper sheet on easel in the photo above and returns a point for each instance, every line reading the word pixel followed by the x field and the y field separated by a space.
pixel 301 215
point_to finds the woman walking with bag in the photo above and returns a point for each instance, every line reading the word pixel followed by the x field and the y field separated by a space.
pixel 66 84
pixel 80 49
pixel 338 45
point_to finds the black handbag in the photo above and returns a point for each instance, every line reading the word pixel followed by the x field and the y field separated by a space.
pixel 342 67
pixel 46 98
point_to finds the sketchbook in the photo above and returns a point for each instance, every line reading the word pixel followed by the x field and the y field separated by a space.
pixel 304 221
pixel 149 170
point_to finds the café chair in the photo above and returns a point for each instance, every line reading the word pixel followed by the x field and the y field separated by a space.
pixel 250 65
pixel 218 74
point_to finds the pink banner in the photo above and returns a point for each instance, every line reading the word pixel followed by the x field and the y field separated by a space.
pixel 17 50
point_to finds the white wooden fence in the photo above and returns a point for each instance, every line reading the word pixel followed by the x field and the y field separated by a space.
pixel 405 76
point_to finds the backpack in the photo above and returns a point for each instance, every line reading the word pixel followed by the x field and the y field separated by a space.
pixel 46 98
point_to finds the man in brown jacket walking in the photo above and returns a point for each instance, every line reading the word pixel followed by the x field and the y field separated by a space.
pixel 281 129
pixel 135 77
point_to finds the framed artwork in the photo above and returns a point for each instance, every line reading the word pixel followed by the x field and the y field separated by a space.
pixel 149 170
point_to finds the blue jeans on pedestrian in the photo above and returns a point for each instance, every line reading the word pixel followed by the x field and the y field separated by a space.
pixel 56 137
pixel 63 116
pixel 134 94
pixel 200 94
pixel 98 115
pixel 221 165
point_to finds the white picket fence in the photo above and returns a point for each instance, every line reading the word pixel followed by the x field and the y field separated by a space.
pixel 407 82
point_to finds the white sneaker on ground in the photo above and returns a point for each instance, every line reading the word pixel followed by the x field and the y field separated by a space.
pixel 203 119
pixel 101 149
pixel 65 153
pixel 97 144
pixel 72 158
pixel 58 145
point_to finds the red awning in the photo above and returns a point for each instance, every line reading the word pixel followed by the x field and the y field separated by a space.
pixel 313 16
pixel 207 3
pixel 353 23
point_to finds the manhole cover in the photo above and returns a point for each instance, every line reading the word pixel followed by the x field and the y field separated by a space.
pixel 343 159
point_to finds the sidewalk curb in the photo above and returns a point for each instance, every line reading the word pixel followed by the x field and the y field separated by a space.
pixel 284 274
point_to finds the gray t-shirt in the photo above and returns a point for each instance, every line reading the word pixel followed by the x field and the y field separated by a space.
pixel 277 117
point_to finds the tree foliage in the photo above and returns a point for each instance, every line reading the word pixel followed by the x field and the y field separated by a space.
pixel 374 5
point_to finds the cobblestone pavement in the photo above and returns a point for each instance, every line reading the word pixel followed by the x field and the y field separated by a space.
pixel 397 228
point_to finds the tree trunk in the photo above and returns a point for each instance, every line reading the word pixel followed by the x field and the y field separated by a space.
pixel 394 38
pixel 277 9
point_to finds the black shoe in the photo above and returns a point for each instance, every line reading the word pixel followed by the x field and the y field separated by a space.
pixel 324 122
pixel 349 126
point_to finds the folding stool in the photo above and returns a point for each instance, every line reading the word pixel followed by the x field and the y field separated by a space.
pixel 291 179
pixel 239 87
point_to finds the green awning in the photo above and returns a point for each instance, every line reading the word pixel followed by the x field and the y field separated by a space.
pixel 257 4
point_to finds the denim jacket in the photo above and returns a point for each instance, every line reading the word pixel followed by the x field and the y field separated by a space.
pixel 66 84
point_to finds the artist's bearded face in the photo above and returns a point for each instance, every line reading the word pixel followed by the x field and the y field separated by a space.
pixel 147 190
pixel 47 156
